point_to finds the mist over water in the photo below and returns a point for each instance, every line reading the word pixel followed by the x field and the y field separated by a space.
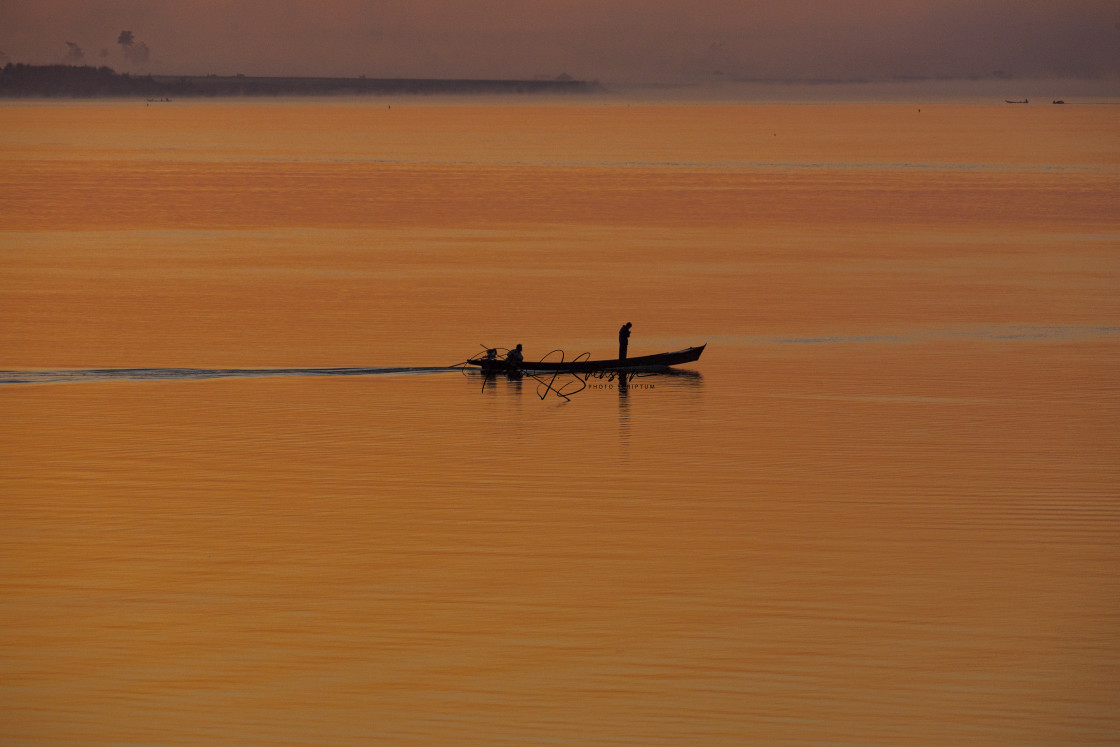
pixel 246 501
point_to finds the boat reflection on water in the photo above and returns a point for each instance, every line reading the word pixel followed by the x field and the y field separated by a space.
pixel 565 385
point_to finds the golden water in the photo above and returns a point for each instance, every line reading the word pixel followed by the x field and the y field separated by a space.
pixel 883 509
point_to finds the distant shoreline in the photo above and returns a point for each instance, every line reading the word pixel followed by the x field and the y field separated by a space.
pixel 67 81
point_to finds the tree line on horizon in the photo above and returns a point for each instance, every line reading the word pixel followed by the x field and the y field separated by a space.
pixel 77 81
pixel 63 80
pixel 18 80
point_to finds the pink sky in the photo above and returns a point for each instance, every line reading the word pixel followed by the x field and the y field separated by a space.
pixel 609 40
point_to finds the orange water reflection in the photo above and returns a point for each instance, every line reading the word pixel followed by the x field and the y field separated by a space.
pixel 883 511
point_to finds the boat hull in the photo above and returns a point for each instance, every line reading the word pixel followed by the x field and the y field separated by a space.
pixel 638 363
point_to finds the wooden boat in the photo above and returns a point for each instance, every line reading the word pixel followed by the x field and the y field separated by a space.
pixel 582 365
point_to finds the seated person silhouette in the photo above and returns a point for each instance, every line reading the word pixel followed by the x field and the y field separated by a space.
pixel 514 358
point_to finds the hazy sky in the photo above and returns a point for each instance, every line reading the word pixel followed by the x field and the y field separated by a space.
pixel 609 40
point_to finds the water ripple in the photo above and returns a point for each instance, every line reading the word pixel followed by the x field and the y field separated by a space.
pixel 1001 333
pixel 194 374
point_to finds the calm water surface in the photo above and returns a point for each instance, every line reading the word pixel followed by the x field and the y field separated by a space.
pixel 883 508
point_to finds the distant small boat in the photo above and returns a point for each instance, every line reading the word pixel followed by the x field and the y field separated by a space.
pixel 638 363
pixel 1058 101
pixel 1024 101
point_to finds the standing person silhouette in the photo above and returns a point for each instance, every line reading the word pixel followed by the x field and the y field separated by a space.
pixel 623 340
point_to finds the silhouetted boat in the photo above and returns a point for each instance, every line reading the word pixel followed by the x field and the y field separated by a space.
pixel 1024 101
pixel 577 365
